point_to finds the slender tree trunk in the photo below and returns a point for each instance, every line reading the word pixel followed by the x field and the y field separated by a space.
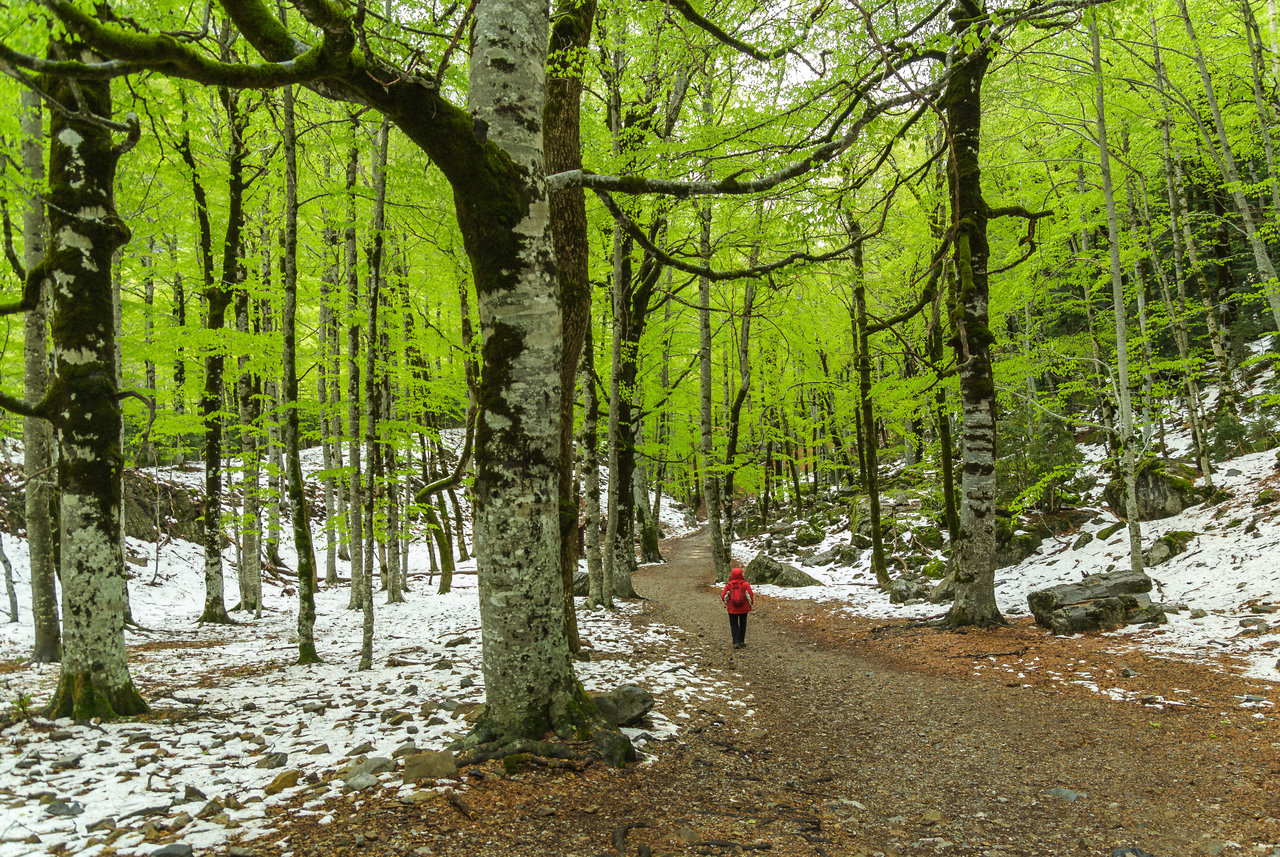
pixel 710 478
pixel 372 386
pixel 248 391
pixel 298 510
pixel 329 438
pixel 83 402
pixel 1128 464
pixel 355 530
pixel 37 434
pixel 598 594
pixel 218 295
pixel 867 412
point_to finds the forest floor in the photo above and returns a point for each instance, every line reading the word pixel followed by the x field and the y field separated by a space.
pixel 853 738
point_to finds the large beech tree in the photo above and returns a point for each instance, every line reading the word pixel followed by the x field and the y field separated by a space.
pixel 82 402
pixel 492 156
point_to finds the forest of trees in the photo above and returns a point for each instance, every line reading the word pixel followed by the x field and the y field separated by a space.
pixel 743 255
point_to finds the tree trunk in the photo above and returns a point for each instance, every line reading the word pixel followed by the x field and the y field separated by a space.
pixel 867 413
pixel 974 552
pixel 710 477
pixel 1127 439
pixel 218 295
pixel 37 435
pixel 83 403
pixel 528 674
pixel 355 530
pixel 570 35
pixel 298 510
pixel 597 594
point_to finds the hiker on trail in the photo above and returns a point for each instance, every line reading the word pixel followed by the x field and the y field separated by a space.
pixel 738 597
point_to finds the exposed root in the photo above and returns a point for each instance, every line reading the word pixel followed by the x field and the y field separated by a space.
pixel 522 746
pixel 620 836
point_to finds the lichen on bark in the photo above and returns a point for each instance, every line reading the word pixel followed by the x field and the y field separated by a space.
pixel 84 406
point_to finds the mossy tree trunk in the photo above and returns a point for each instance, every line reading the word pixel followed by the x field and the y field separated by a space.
pixel 974 552
pixel 37 437
pixel 866 411
pixel 570 35
pixel 355 527
pixel 84 404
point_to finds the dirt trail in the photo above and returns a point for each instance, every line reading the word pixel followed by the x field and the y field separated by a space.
pixel 848 756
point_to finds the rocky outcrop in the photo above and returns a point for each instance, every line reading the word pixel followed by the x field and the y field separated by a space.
pixel 1164 487
pixel 1099 602
pixel 766 569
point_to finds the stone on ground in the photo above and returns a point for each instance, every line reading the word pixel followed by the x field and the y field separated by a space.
pixel 1099 602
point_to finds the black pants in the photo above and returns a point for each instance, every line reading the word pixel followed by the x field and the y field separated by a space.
pixel 738 627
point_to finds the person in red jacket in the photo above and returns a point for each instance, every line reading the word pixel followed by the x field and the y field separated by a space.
pixel 738 598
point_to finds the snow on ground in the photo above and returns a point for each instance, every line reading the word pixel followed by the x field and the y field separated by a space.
pixel 227 698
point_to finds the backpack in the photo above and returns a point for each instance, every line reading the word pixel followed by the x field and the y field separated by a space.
pixel 737 595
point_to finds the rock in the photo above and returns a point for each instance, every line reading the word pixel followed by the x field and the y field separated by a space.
pixel 935 569
pixel 1131 852
pixel 191 794
pixel 903 590
pixel 209 810
pixel 173 849
pixel 360 750
pixel 468 681
pixel 373 765
pixel 625 705
pixel 400 719
pixel 313 708
pixel 318 750
pixel 825 558
pixel 180 821
pixel 931 817
pixel 1168 546
pixel 408 748
pixel 442 664
pixel 65 809
pixel 1065 794
pixel 688 835
pixel 1110 530
pixel 766 569
pixel 457 641
pixel 1017 548
pixel 1253 622
pixel 284 780
pixel 1199 613
pixel 929 537
pixel 944 590
pixel 107 823
pixel 429 766
pixel 359 782
pixel 273 760
pixel 581 584
pixel 1099 602
pixel 240 851
pixel 61 735
pixel 1083 540
pixel 808 535
pixel 1128 673
pixel 1164 487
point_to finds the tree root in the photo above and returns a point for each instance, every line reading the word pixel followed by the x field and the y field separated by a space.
pixel 620 836
pixel 522 746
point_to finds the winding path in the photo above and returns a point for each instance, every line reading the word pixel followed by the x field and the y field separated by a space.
pixel 937 760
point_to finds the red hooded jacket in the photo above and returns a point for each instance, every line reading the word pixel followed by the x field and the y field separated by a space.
pixel 737 580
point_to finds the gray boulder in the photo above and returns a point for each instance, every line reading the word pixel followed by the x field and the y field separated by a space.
pixel 903 590
pixel 1099 602
pixel 766 569
pixel 625 705
pixel 580 584
pixel 1164 487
